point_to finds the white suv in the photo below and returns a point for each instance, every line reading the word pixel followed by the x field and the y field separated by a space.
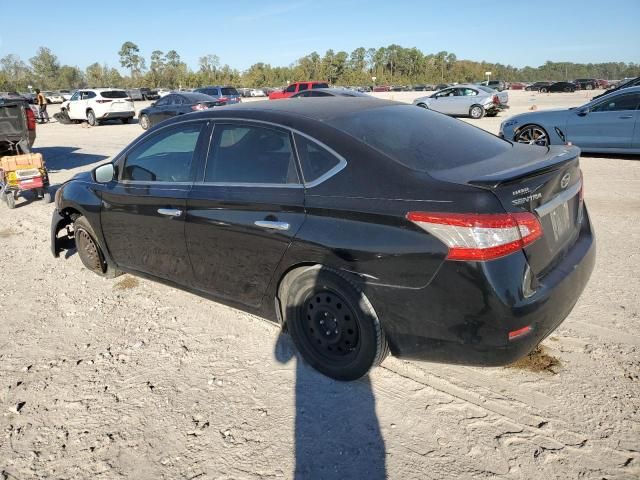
pixel 98 104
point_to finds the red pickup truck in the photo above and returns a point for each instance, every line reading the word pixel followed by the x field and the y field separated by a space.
pixel 295 88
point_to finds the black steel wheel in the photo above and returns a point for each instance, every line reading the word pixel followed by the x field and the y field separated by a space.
pixel 331 329
pixel 89 250
pixel 332 323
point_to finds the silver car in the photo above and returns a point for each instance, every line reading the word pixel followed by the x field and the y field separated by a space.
pixel 475 101
pixel 609 124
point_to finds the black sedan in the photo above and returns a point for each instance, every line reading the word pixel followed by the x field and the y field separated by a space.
pixel 175 104
pixel 362 226
pixel 329 92
pixel 534 87
pixel 558 87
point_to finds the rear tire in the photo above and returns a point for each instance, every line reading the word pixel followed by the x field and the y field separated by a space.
pixel 89 250
pixel 543 90
pixel 476 112
pixel 332 323
pixel 47 197
pixel 91 118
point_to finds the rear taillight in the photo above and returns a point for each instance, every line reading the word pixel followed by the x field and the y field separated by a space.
pixel 496 100
pixel 103 101
pixel 31 119
pixel 477 236
pixel 199 106
pixel 223 99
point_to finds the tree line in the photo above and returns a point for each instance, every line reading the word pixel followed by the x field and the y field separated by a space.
pixel 390 65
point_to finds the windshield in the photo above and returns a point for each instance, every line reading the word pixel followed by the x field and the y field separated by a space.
pixel 420 139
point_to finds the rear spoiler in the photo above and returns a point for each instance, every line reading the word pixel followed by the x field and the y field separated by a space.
pixel 554 160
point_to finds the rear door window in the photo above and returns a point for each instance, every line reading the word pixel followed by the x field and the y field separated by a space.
pixel 320 85
pixel 164 157
pixel 303 86
pixel 250 154
pixel 315 160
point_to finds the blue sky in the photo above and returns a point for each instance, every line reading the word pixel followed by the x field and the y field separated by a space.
pixel 241 33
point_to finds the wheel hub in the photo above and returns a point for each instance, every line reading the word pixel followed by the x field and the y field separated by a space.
pixel 330 326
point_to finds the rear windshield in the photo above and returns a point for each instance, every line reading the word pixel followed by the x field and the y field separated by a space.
pixel 229 91
pixel 486 89
pixel 319 85
pixel 420 139
pixel 114 94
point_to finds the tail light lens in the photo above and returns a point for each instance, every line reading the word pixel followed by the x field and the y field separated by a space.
pixel 480 237
pixel 199 106
pixel 103 101
pixel 223 99
pixel 496 100
pixel 31 119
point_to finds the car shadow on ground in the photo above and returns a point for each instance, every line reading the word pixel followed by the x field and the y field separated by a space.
pixel 67 158
pixel 337 433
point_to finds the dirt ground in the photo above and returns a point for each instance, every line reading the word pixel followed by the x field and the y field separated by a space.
pixel 128 378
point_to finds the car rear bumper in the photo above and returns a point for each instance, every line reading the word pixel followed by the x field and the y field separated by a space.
pixel 465 314
pixel 109 115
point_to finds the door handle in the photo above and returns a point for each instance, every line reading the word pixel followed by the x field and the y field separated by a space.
pixel 626 116
pixel 271 225
pixel 170 212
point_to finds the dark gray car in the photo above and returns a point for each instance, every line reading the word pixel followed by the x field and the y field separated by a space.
pixel 226 95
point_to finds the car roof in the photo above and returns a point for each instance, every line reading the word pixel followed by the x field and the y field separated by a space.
pixel 194 96
pixel 321 109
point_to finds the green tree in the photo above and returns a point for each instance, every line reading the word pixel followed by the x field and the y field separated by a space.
pixel 46 68
pixel 130 58
pixel 16 72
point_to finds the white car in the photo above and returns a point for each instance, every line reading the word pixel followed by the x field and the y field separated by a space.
pixel 66 94
pixel 163 92
pixel 97 104
pixel 53 97
pixel 256 92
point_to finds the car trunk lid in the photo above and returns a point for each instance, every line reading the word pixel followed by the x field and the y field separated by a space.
pixel 544 181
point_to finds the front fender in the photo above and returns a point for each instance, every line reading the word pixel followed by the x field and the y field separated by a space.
pixel 77 197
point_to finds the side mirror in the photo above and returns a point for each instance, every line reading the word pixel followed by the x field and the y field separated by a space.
pixel 104 173
pixel 583 111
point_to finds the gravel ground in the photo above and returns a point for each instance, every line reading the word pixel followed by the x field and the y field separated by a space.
pixel 128 378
